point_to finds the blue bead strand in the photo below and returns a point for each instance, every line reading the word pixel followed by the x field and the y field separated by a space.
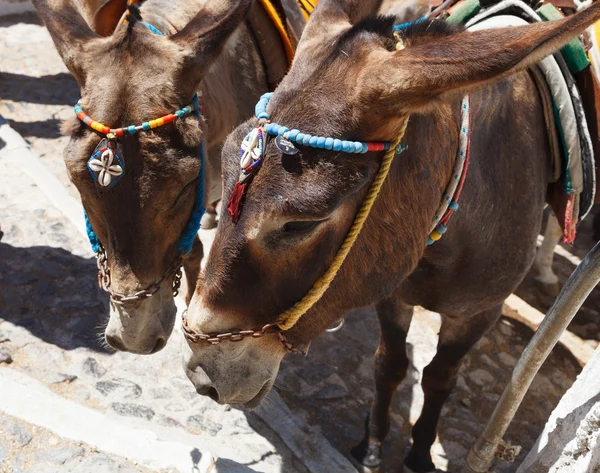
pixel 319 142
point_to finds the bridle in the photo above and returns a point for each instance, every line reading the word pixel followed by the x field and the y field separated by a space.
pixel 174 271
pixel 107 167
pixel 251 156
pixel 253 147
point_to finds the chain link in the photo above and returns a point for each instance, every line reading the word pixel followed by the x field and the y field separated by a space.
pixel 215 339
pixel 104 280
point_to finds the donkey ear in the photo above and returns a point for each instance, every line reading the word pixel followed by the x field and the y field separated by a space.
pixel 328 20
pixel 330 16
pixel 203 38
pixel 107 17
pixel 421 73
pixel 69 31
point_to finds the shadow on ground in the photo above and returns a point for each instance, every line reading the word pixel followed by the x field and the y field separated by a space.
pixel 586 323
pixel 53 294
pixel 56 89
pixel 344 359
pixel 29 18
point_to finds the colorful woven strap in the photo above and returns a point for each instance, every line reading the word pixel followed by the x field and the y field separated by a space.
pixel 453 191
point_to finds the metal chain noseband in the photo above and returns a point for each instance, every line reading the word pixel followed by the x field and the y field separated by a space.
pixel 214 339
pixel 104 280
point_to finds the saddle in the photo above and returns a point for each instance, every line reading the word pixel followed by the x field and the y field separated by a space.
pixel 569 88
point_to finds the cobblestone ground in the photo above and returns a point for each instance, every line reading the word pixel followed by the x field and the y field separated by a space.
pixel 51 315
pixel 51 312
pixel 28 448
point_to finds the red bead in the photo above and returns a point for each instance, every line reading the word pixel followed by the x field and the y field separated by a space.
pixel 81 116
pixel 169 118
pixel 119 132
pixel 106 130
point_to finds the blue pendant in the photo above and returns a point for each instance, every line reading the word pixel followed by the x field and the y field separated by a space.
pixel 105 164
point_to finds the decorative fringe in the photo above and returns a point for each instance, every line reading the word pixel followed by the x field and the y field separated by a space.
pixel 234 206
pixel 570 222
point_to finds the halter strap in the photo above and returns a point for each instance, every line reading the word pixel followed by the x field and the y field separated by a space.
pixel 186 239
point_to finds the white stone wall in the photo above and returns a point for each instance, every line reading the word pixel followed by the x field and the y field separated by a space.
pixel 570 441
pixel 12 7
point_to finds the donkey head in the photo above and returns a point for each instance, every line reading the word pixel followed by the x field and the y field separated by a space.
pixel 127 78
pixel 347 82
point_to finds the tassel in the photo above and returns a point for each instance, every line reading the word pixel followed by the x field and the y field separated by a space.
pixel 570 224
pixel 234 206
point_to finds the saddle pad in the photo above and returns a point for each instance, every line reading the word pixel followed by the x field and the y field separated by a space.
pixel 579 173
pixel 588 189
pixel 573 52
pixel 567 120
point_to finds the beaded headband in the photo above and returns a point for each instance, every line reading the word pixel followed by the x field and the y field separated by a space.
pixel 306 139
pixel 106 165
pixel 132 129
pixel 253 145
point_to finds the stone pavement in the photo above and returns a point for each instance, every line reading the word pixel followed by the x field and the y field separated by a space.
pixel 27 448
pixel 52 316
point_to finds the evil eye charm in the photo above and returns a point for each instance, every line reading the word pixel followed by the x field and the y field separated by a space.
pixel 105 165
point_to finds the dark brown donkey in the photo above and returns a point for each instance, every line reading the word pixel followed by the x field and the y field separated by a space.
pixel 348 82
pixel 132 76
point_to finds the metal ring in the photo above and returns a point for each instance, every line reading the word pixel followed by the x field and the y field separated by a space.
pixel 337 327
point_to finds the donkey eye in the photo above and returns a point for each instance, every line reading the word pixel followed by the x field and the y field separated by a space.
pixel 300 227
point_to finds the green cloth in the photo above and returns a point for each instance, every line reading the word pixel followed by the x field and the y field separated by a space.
pixel 464 12
pixel 573 52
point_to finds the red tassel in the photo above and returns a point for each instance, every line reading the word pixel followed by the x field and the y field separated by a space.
pixel 234 206
pixel 570 223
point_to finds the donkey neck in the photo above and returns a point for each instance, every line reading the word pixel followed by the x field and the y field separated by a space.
pixel 395 235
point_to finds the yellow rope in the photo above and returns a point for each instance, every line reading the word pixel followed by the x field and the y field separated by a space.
pixel 291 316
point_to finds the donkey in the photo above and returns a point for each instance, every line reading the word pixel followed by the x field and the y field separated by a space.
pixel 134 75
pixel 348 82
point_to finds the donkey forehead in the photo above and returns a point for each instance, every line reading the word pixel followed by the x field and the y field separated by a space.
pixel 310 183
pixel 144 66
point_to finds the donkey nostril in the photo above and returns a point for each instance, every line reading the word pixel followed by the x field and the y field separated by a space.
pixel 160 344
pixel 209 391
pixel 213 394
pixel 115 343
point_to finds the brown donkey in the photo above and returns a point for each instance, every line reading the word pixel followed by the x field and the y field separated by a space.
pixel 349 82
pixel 134 75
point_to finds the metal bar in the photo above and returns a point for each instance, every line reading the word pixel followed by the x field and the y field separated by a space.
pixel 572 296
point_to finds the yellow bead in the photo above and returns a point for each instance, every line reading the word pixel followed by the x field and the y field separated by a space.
pixel 435 236
pixel 153 123
pixel 160 122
